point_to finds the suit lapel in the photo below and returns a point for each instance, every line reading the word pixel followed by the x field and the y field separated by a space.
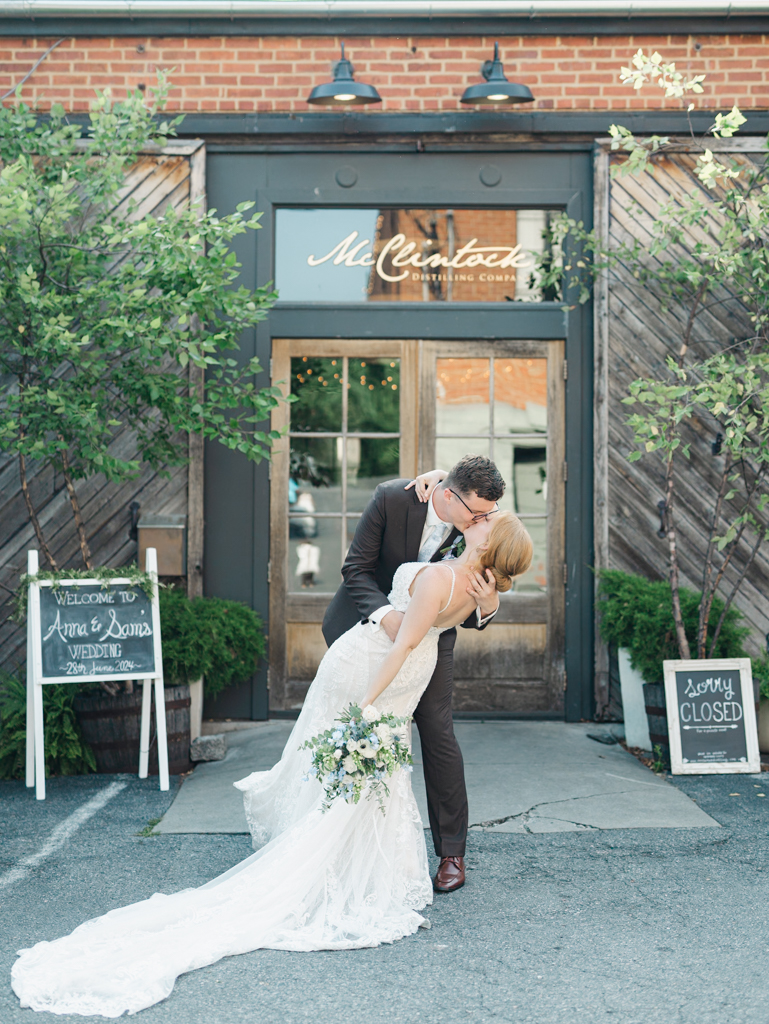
pixel 416 513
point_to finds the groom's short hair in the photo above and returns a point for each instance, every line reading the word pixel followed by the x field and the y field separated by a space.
pixel 479 474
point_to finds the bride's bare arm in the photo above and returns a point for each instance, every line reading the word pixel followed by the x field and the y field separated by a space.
pixel 431 591
pixel 425 483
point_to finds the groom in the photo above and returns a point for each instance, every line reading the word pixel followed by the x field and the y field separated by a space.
pixel 396 528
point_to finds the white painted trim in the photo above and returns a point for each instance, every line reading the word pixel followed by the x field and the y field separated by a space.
pixel 329 9
pixel 742 665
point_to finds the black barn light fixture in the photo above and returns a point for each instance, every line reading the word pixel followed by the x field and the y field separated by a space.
pixel 344 89
pixel 496 89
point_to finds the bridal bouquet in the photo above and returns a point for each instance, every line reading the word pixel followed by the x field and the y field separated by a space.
pixel 362 750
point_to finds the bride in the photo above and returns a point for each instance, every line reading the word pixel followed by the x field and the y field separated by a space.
pixel 342 879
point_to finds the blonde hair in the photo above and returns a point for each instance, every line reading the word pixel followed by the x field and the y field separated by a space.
pixel 509 550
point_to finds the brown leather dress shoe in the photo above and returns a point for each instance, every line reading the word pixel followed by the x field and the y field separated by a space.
pixel 450 874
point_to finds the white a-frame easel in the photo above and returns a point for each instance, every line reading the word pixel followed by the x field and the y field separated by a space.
pixel 35 767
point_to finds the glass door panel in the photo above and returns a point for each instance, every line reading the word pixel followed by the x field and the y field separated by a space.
pixel 498 408
pixel 344 437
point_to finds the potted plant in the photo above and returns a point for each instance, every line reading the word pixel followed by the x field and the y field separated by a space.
pixel 211 638
pixel 636 616
pixel 761 676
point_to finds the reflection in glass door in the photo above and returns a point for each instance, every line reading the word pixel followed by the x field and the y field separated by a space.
pixel 504 400
pixel 350 426
pixel 498 408
pixel 344 441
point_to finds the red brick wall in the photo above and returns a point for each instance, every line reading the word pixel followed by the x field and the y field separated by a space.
pixel 275 73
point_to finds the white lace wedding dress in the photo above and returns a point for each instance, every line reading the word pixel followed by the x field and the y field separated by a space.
pixel 344 879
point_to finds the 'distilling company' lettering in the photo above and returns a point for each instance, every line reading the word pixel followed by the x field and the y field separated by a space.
pixel 403 254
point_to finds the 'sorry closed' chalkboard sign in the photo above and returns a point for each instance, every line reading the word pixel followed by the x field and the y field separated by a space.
pixel 90 630
pixel 711 716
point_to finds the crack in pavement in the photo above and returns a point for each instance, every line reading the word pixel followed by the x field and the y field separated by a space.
pixel 526 815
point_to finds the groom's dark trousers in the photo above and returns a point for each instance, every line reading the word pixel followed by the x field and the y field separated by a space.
pixel 389 534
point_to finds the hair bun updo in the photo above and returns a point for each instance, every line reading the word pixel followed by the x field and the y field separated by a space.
pixel 509 551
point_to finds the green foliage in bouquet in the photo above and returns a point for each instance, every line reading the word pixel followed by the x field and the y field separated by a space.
pixel 66 752
pixel 220 640
pixel 637 613
pixel 362 750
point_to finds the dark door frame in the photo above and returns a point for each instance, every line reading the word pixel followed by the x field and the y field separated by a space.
pixel 439 179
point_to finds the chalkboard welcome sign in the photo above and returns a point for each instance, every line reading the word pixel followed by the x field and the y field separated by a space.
pixel 711 716
pixel 90 630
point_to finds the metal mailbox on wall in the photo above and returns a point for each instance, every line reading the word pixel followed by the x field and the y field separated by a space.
pixel 167 533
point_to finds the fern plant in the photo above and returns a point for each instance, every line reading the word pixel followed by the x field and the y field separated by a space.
pixel 66 752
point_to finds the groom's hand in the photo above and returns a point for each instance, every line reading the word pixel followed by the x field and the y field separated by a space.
pixel 391 623
pixel 484 589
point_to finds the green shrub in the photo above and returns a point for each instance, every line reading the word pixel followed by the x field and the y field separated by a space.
pixel 637 613
pixel 66 752
pixel 210 637
pixel 760 667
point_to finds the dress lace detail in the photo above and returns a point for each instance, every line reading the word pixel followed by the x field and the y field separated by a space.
pixel 345 879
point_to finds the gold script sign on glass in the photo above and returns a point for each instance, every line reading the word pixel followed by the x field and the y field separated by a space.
pixel 409 255
pixel 345 440
pixel 498 408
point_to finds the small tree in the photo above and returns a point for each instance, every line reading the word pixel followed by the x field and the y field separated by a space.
pixel 101 313
pixel 727 389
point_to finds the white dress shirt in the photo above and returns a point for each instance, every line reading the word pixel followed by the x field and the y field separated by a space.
pixel 432 522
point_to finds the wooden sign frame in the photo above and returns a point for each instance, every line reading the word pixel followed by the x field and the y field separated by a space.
pixel 35 746
pixel 752 763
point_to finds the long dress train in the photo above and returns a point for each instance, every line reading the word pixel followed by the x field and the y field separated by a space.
pixel 347 878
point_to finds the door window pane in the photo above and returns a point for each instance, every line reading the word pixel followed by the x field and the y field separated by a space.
pixel 523 464
pixel 449 450
pixel 462 396
pixel 370 461
pixel 373 396
pixel 520 395
pixel 317 386
pixel 315 481
pixel 535 580
pixel 314 546
pixel 344 440
pixel 411 255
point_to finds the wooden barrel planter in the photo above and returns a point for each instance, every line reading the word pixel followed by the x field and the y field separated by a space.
pixel 657 715
pixel 111 727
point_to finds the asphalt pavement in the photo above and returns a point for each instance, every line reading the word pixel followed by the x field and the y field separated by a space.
pixel 633 926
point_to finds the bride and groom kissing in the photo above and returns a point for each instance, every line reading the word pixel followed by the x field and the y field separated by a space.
pixel 356 874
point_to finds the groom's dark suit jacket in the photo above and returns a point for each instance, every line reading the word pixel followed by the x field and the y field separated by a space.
pixel 387 535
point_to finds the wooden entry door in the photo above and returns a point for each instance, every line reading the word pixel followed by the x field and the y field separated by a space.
pixel 352 425
pixel 505 400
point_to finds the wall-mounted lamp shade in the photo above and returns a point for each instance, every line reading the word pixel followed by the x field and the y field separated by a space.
pixel 344 89
pixel 496 89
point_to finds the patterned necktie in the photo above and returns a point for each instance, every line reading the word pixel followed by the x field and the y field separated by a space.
pixel 432 543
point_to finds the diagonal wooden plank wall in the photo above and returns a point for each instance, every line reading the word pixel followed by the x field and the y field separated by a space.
pixel 169 177
pixel 634 336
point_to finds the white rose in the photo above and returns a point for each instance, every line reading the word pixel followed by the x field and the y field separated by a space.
pixel 337 753
pixel 384 732
pixel 347 779
pixel 370 714
pixel 349 765
pixel 352 746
